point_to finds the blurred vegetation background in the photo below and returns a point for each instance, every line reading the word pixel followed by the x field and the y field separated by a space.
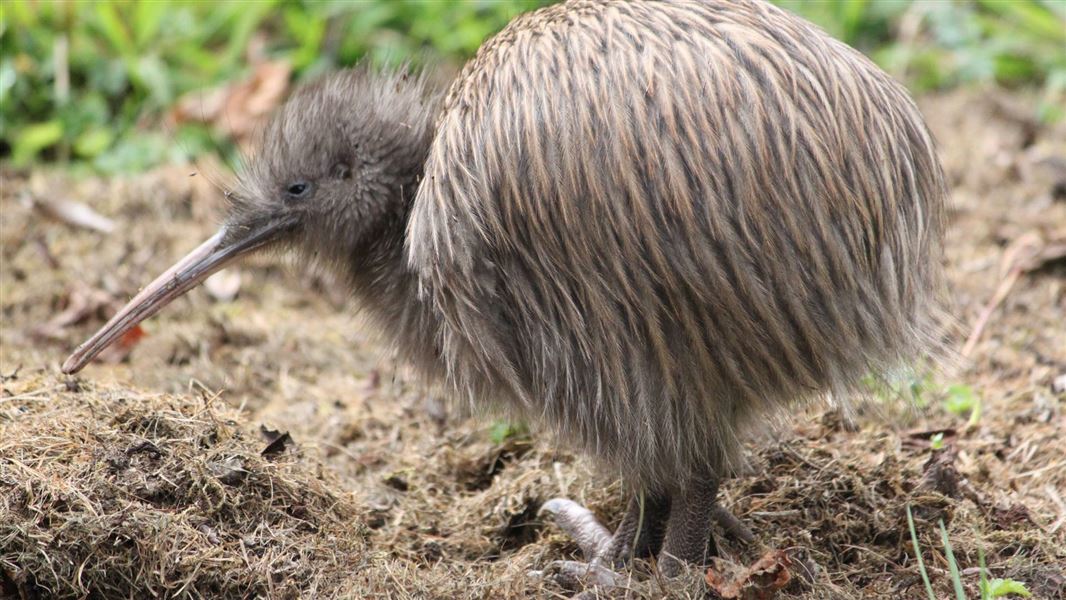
pixel 113 86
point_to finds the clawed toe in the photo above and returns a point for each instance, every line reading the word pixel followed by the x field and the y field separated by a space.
pixel 575 575
pixel 731 525
pixel 580 524
pixel 602 550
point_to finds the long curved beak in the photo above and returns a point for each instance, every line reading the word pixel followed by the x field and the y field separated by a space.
pixel 215 253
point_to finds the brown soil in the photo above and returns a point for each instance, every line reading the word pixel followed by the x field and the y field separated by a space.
pixel 151 476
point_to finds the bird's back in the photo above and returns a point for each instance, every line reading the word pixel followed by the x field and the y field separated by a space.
pixel 648 224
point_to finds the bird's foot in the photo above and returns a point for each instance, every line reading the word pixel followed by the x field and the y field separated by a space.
pixel 676 529
pixel 638 536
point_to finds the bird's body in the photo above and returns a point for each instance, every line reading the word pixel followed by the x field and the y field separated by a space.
pixel 646 226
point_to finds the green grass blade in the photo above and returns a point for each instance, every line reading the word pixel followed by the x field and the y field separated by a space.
pixel 918 555
pixel 956 578
pixel 982 574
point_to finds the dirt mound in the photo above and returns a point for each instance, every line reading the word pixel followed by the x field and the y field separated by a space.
pixel 107 492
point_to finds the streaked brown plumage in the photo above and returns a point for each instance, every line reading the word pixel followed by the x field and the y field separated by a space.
pixel 646 226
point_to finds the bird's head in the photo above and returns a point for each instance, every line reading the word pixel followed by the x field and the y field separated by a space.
pixel 333 178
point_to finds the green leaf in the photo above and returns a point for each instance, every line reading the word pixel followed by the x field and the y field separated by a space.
pixel 309 31
pixel 133 153
pixel 114 30
pixel 998 588
pixel 502 431
pixel 93 142
pixel 937 441
pixel 1030 15
pixel 247 22
pixel 34 138
pixel 961 400
pixel 147 18
pixel 22 13
pixel 152 76
pixel 7 78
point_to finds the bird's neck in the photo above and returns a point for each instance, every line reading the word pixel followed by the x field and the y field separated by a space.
pixel 387 292
pixel 385 288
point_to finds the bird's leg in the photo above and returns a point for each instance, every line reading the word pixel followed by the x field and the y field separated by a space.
pixel 689 538
pixel 639 535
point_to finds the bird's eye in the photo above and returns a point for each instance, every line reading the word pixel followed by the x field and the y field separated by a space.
pixel 298 189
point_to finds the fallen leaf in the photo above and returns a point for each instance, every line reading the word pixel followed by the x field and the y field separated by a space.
pixel 238 108
pixel 760 581
pixel 121 348
pixel 923 438
pixel 144 446
pixel 1029 252
pixel 82 302
pixel 74 213
pixel 224 285
pixel 1011 515
pixel 1058 385
pixel 46 253
pixel 940 474
pixel 209 533
pixel 230 471
pixel 276 441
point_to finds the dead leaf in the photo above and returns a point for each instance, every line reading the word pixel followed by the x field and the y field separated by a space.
pixel 121 348
pixel 46 253
pixel 230 471
pixel 82 302
pixel 74 213
pixel 1058 385
pixel 923 438
pixel 146 447
pixel 760 581
pixel 1029 252
pixel 13 376
pixel 1011 515
pixel 224 285
pixel 276 441
pixel 236 109
pixel 940 474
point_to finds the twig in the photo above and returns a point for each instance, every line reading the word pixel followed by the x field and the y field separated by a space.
pixel 1016 260
pixel 1057 500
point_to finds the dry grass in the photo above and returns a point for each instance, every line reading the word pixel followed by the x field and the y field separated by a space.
pixel 387 492
pixel 108 492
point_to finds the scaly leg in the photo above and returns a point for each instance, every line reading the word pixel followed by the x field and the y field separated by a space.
pixel 640 534
pixel 689 538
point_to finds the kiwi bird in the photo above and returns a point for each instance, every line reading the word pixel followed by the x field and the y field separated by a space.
pixel 650 227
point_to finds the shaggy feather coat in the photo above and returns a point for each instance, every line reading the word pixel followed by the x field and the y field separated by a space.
pixel 645 225
pixel 649 225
